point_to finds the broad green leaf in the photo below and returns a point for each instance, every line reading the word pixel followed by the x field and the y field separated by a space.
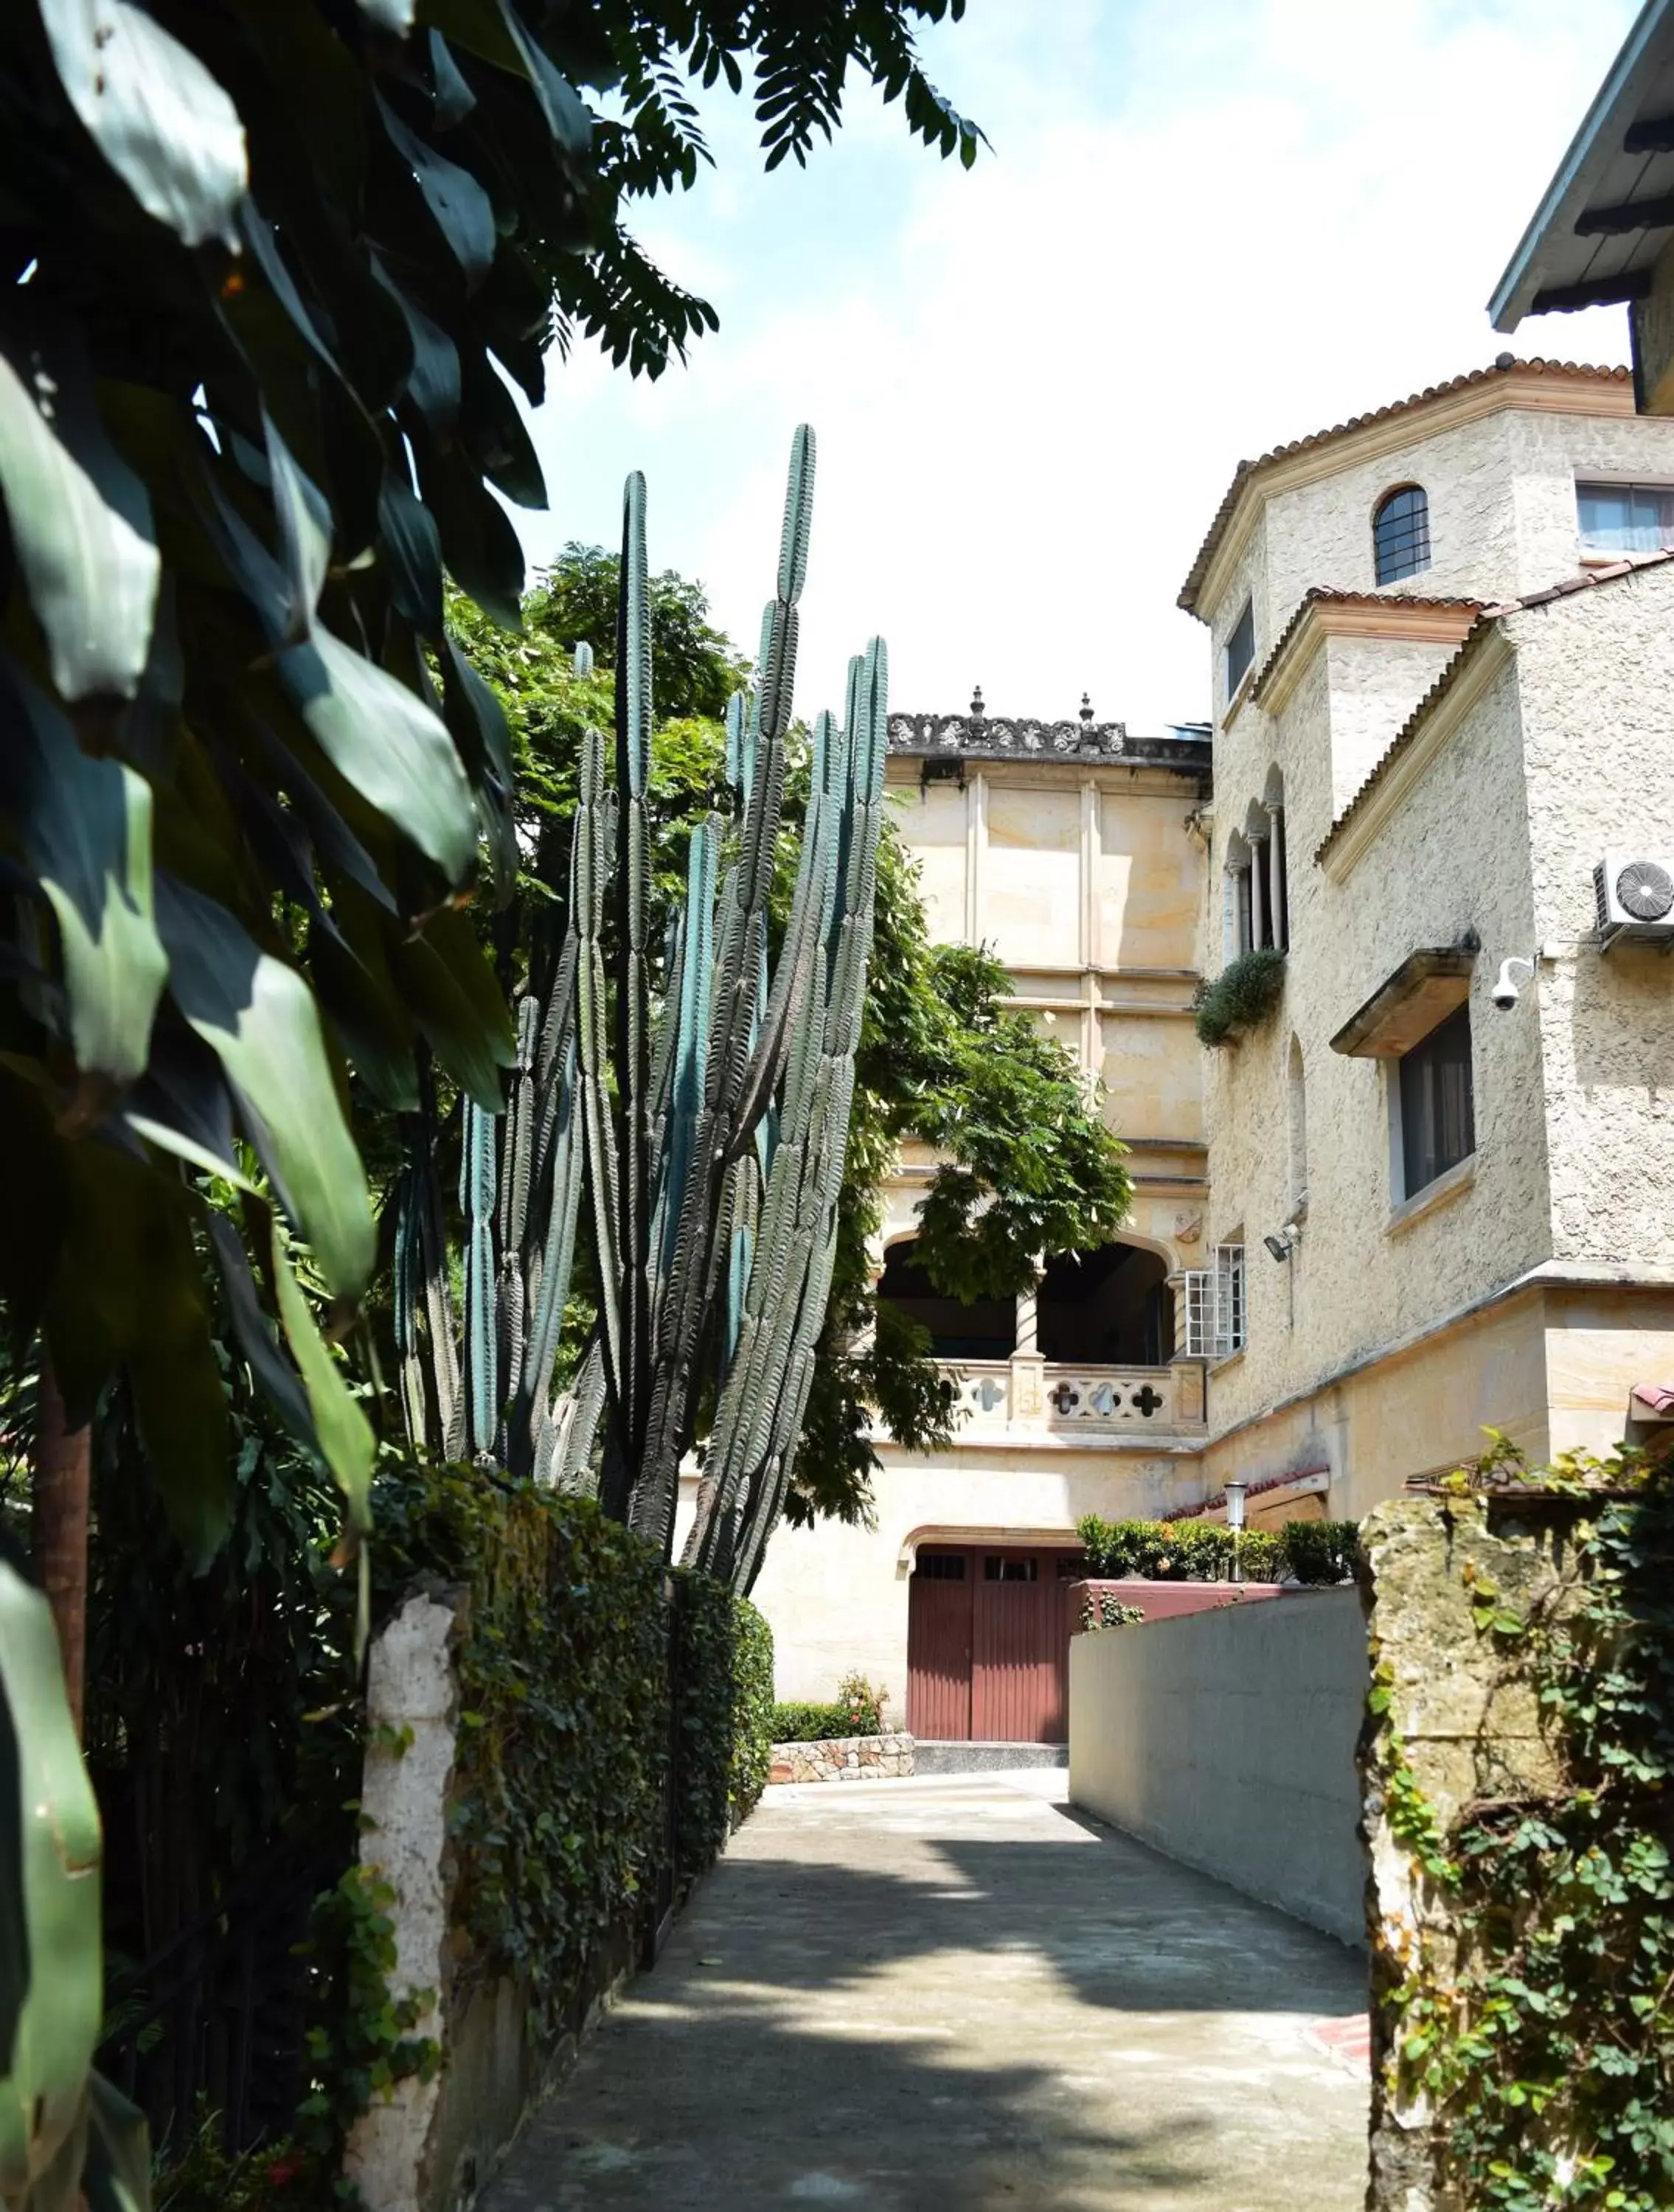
pixel 393 15
pixel 305 535
pixel 158 117
pixel 50 1862
pixel 79 516
pixel 561 105
pixel 344 1433
pixel 256 1336
pixel 446 982
pixel 434 384
pixel 460 208
pixel 389 745
pixel 85 827
pixel 259 1017
pixel 118 2174
pixel 178 1396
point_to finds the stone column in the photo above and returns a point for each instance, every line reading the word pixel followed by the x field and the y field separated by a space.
pixel 1276 871
pixel 1258 898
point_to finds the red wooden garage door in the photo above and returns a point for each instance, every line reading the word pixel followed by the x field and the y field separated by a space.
pixel 988 1646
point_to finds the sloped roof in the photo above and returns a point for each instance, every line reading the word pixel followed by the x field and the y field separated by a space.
pixel 1506 365
pixel 1327 595
pixel 1591 579
pixel 1609 210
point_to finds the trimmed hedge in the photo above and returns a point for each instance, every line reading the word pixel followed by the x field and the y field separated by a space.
pixel 724 1668
pixel 1202 1551
pixel 564 1669
pixel 1240 997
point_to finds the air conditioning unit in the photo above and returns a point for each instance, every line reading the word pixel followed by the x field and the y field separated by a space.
pixel 1635 895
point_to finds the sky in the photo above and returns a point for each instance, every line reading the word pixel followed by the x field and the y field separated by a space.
pixel 1206 226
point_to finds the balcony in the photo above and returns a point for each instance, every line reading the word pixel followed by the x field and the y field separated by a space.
pixel 1029 1401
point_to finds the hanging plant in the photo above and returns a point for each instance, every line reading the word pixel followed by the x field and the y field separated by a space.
pixel 1240 998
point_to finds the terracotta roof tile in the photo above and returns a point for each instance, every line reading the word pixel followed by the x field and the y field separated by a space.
pixel 1325 594
pixel 1505 366
pixel 1589 581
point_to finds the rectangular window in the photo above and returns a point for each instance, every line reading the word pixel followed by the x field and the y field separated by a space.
pixel 940 1566
pixel 1241 648
pixel 998 1570
pixel 1214 1305
pixel 1625 517
pixel 1438 1121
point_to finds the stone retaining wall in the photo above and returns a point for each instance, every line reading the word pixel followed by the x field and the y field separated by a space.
pixel 842 1758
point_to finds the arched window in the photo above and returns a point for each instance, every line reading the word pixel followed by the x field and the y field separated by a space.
pixel 1113 1305
pixel 1297 1086
pixel 1401 533
pixel 986 1329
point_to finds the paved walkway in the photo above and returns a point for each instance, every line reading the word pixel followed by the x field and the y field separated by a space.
pixel 953 1995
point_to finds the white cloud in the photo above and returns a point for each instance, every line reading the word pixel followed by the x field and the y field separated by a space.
pixel 1206 229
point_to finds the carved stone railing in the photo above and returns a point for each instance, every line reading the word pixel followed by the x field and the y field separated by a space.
pixel 1029 1397
pixel 1011 737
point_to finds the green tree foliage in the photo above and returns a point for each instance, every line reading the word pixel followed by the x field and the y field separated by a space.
pixel 278 271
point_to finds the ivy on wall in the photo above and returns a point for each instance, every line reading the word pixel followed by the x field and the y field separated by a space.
pixel 564 1670
pixel 1535 2013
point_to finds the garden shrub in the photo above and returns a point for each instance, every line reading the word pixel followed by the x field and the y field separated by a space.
pixel 1178 1550
pixel 724 1668
pixel 857 1710
pixel 1241 997
pixel 1322 1551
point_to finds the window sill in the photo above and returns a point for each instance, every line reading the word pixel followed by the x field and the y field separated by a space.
pixel 1446 1187
pixel 1236 701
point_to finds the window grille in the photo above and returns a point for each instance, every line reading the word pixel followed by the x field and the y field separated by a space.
pixel 1400 534
pixel 1229 1297
pixel 1214 1306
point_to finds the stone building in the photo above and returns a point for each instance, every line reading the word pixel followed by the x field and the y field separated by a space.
pixel 1073 850
pixel 1443 646
pixel 1444 663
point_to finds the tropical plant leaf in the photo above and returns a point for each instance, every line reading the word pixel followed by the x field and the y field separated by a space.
pixel 343 1432
pixel 49 1865
pixel 78 515
pixel 156 113
pixel 259 1017
pixel 389 745
pixel 461 210
pixel 85 826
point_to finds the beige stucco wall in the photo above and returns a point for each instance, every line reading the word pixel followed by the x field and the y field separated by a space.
pixel 1596 675
pixel 1501 498
pixel 1084 881
pixel 1226 1739
pixel 1379 1349
pixel 836 1597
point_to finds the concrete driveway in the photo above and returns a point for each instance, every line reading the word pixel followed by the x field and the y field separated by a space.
pixel 924 1997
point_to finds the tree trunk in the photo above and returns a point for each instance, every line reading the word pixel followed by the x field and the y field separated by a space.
pixel 58 1528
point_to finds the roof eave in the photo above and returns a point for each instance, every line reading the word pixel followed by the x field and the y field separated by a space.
pixel 1590 152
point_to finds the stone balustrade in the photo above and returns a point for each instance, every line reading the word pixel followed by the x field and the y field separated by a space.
pixel 1048 1397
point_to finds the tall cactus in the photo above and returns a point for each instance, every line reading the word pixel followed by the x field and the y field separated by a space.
pixel 707 1133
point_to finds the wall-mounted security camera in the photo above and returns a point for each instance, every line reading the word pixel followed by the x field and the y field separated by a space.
pixel 1508 984
pixel 1285 1242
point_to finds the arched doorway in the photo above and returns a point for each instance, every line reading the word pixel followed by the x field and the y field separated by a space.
pixel 1109 1307
pixel 986 1328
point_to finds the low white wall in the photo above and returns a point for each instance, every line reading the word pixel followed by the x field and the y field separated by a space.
pixel 1226 1739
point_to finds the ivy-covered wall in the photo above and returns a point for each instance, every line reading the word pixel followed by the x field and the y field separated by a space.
pixel 589 1729
pixel 1519 1769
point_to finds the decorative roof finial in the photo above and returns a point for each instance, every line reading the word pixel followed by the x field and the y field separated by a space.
pixel 978 709
pixel 1087 711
